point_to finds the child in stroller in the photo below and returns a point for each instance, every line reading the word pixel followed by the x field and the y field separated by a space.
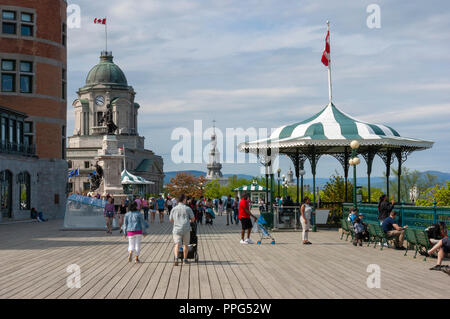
pixel 209 216
pixel 192 247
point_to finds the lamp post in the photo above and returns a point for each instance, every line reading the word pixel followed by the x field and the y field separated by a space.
pixel 283 178
pixel 353 162
pixel 302 173
pixel 285 187
pixel 278 173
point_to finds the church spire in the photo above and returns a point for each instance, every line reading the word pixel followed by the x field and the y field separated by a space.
pixel 214 167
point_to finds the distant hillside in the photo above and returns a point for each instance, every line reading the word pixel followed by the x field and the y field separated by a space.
pixel 375 182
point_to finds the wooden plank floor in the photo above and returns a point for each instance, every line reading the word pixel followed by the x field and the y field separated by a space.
pixel 34 258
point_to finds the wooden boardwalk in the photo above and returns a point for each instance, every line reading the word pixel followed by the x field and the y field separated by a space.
pixel 34 258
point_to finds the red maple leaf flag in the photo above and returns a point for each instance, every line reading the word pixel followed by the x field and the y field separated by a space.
pixel 100 21
pixel 326 52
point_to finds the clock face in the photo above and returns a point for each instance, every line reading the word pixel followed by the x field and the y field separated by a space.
pixel 99 100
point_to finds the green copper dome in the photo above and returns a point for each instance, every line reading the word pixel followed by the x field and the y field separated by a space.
pixel 106 72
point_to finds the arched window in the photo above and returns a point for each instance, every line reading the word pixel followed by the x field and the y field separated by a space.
pixel 24 181
pixel 6 193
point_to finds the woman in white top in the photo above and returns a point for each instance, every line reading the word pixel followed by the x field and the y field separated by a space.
pixel 305 211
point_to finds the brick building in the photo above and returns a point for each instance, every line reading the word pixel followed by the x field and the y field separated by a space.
pixel 33 64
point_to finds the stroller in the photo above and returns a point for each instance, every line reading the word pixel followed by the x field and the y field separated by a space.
pixel 209 216
pixel 192 247
pixel 262 230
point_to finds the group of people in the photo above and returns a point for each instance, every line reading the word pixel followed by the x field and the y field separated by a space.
pixel 135 226
pixel 143 205
pixel 437 233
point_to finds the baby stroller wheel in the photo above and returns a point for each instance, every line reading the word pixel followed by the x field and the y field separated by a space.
pixel 273 242
pixel 258 242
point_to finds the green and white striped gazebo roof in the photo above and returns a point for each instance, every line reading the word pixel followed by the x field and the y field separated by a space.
pixel 332 127
pixel 254 187
pixel 130 179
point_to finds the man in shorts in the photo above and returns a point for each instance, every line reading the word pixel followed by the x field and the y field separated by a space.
pixel 244 216
pixel 181 216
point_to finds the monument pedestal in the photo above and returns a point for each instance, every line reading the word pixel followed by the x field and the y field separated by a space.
pixel 110 158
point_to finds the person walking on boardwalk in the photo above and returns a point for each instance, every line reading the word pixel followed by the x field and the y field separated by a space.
pixel 122 211
pixel 160 206
pixel 236 210
pixel 109 214
pixel 169 204
pixel 244 216
pixel 181 216
pixel 228 205
pixel 152 207
pixel 135 227
pixel 305 217
pixel 144 204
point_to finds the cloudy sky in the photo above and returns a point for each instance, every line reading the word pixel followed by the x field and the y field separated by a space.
pixel 256 63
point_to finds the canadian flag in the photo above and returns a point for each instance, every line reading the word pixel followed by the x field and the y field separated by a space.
pixel 326 52
pixel 100 21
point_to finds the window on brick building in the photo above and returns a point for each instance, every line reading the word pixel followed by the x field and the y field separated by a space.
pixel 8 76
pixel 63 142
pixel 9 25
pixel 64 34
pixel 87 164
pixel 64 85
pixel 26 77
pixel 27 24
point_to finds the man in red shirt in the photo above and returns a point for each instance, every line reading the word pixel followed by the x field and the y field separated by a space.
pixel 244 216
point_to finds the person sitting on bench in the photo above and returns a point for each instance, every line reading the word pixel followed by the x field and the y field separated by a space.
pixel 436 232
pixel 444 249
pixel 393 230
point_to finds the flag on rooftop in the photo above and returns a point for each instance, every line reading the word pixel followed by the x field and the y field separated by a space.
pixel 100 21
pixel 326 52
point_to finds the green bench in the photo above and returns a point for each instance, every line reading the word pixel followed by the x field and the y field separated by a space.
pixel 347 228
pixel 377 235
pixel 419 240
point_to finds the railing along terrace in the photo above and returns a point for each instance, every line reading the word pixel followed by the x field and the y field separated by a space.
pixel 417 217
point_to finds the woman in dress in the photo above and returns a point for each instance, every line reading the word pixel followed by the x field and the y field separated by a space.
pixel 305 211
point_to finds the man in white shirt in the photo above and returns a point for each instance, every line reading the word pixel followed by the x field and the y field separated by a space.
pixel 181 216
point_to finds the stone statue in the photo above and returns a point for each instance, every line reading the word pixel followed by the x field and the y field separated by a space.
pixel 96 179
pixel 107 120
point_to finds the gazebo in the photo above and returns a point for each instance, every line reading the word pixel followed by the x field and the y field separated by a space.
pixel 133 184
pixel 255 190
pixel 330 132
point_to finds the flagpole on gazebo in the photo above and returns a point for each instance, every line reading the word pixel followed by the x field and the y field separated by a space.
pixel 106 33
pixel 124 163
pixel 330 95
